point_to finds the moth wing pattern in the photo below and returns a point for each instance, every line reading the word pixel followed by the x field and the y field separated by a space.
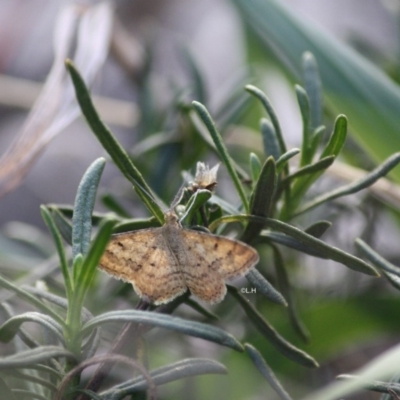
pixel 144 259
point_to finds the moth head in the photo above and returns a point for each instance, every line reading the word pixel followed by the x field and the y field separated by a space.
pixel 171 218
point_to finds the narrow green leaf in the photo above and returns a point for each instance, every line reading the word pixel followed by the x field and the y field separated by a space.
pixel 54 299
pixel 199 198
pixel 271 113
pixel 267 236
pixel 317 167
pixel 83 207
pixel 270 139
pixel 284 158
pixel 32 357
pixel 286 348
pixel 261 199
pixel 316 137
pixel 354 187
pixel 377 259
pixel 255 167
pixel 352 83
pixel 191 328
pixel 32 300
pixel 63 225
pixel 393 279
pixel 77 267
pixel 91 345
pixel 111 145
pixel 10 328
pixel 60 249
pixel 204 134
pixel 222 150
pixel 201 310
pixel 318 228
pixel 337 138
pixel 135 224
pixel 333 253
pixel 92 259
pixel 311 169
pixel 304 178
pixel 265 288
pixel 312 84
pixel 302 99
pixel 68 211
pixel 264 190
pixel 169 373
pixel 266 371
pixel 287 290
pixel 242 218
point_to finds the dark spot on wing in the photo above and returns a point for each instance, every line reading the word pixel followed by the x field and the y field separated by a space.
pixel 120 244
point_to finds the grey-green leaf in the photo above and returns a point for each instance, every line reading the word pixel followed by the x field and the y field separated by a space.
pixel 286 348
pixel 271 113
pixel 287 290
pixel 222 150
pixel 255 167
pixel 376 259
pixel 265 288
pixel 111 145
pixel 261 199
pixel 32 357
pixel 23 294
pixel 270 139
pixel 331 252
pixel 306 149
pixel 168 373
pixel 10 328
pixel 318 228
pixel 284 158
pixel 83 208
pixel 266 371
pixel 354 187
pixel 337 138
pixel 199 198
pixel 186 327
pixel 63 225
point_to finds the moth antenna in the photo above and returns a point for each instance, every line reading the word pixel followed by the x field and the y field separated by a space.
pixel 178 197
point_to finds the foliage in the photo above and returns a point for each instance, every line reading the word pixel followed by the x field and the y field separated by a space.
pixel 264 212
pixel 352 84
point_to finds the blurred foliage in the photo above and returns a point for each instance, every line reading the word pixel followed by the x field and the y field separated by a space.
pixel 267 197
